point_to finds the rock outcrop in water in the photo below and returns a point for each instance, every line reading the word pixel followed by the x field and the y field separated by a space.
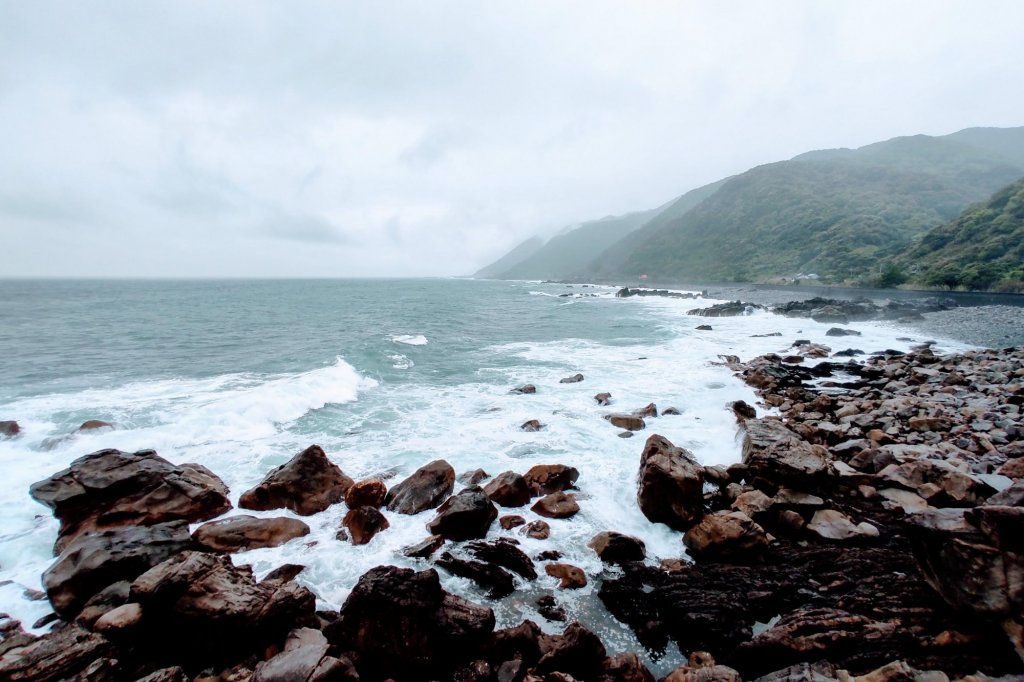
pixel 307 483
pixel 425 489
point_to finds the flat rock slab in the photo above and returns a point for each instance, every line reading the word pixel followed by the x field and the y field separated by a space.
pixel 244 532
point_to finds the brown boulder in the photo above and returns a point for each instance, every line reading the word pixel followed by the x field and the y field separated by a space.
pixel 307 484
pixel 465 516
pixel 574 379
pixel 830 524
pixel 508 489
pixel 570 576
pixel 577 654
pixel 626 421
pixel 57 655
pixel 616 548
pixel 551 478
pixel 774 453
pixel 531 426
pixel 726 536
pixel 1014 468
pixel 625 668
pixel 511 521
pixel 649 410
pixel 743 410
pixel 525 389
pixel 424 548
pixel 556 506
pixel 473 477
pixel 603 399
pixel 305 658
pixel 93 561
pixel 538 530
pixel 241 533
pixel 363 523
pixel 93 425
pixel 113 489
pixel 368 493
pixel 671 484
pixel 425 489
pixel 9 429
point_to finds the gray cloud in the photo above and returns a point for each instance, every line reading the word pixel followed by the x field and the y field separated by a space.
pixel 424 139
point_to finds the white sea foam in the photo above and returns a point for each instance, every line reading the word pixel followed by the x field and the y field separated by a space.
pixel 399 361
pixel 410 339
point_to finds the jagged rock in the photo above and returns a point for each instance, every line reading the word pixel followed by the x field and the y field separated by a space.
pixel 1014 468
pixel 395 621
pixel 776 454
pixel 726 536
pixel 728 309
pixel 473 477
pixel 308 483
pixel 511 521
pixel 525 389
pixel 743 411
pixel 305 658
pixel 752 503
pixel 839 331
pixel 531 426
pixel 425 548
pixel 704 328
pixel 648 410
pixel 363 523
pixel 285 572
pixel 670 411
pixel 465 516
pixel 57 655
pixel 616 548
pixel 671 484
pixel 9 429
pixel 556 506
pixel 508 489
pixel 544 479
pixel 574 379
pixel 538 530
pixel 830 524
pixel 930 478
pixel 241 533
pixel 603 399
pixel 570 576
pixel 503 552
pixel 113 489
pixel 577 652
pixel 624 668
pixel 92 561
pixel 425 489
pixel 701 667
pixel 549 608
pixel 495 579
pixel 369 493
pixel 626 421
pixel 173 674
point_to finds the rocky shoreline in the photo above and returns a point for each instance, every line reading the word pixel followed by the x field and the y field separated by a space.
pixel 871 532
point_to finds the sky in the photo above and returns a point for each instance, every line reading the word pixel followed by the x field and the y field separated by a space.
pixel 356 139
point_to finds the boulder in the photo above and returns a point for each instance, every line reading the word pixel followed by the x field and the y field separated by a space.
pixel 626 421
pixel 508 489
pixel 726 536
pixel 531 426
pixel 577 652
pixel 504 552
pixel 242 533
pixel 425 489
pixel 465 516
pixel 625 668
pixel 839 331
pixel 538 530
pixel 424 548
pixel 368 493
pixel 743 410
pixel 571 577
pixel 473 477
pixel 107 599
pixel 113 489
pixel 525 389
pixel 701 667
pixel 93 561
pixel 728 309
pixel 9 429
pixel 551 478
pixel 172 674
pixel 830 524
pixel 363 523
pixel 57 655
pixel 574 379
pixel 511 521
pixel 648 410
pixel 671 484
pixel 616 548
pixel 93 425
pixel 777 455
pixel 704 328
pixel 119 619
pixel 495 579
pixel 549 608
pixel 603 399
pixel 307 484
pixel 670 412
pixel 556 506
pixel 305 658
pixel 396 620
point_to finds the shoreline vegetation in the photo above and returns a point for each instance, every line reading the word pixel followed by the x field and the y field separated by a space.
pixel 871 532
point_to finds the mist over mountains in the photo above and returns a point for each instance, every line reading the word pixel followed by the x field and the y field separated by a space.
pixel 839 216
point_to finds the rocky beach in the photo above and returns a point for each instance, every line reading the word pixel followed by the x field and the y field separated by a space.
pixel 871 531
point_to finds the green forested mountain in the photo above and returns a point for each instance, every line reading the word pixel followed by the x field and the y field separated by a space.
pixel 981 249
pixel 511 259
pixel 835 213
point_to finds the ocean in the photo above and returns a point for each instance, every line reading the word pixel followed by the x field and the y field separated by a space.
pixel 385 375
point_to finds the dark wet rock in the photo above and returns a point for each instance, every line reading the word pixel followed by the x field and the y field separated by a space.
pixel 839 331
pixel 774 453
pixel 473 477
pixel 363 523
pixel 531 426
pixel 307 484
pixel 511 521
pixel 395 621
pixel 556 506
pixel 92 561
pixel 369 493
pixel 701 667
pixel 704 328
pixel 58 655
pixel 549 555
pixel 624 668
pixel 504 552
pixel 113 489
pixel 625 434
pixel 508 489
pixel 574 379
pixel 648 410
pixel 9 429
pixel 616 548
pixel 538 530
pixel 729 309
pixel 551 478
pixel 525 389
pixel 819 671
pixel 45 620
pixel 241 533
pixel 726 536
pixel 305 658
pixel 425 489
pixel 173 674
pixel 671 484
pixel 465 516
pixel 626 421
pixel 424 548
pixel 830 524
pixel 603 399
pixel 549 608
pixel 670 411
pixel 489 576
pixel 743 410
pixel 577 652
pixel 571 577
pixel 107 599
pixel 285 572
pixel 848 353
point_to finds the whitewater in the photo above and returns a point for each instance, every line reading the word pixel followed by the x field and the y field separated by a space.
pixel 385 376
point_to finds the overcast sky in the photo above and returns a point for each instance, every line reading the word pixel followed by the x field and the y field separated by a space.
pixel 375 138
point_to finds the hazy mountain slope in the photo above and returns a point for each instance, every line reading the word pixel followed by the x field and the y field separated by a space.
pixel 980 249
pixel 572 252
pixel 511 259
pixel 835 213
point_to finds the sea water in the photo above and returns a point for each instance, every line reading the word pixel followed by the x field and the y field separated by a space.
pixel 385 375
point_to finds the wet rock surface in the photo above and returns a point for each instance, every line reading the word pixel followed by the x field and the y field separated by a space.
pixel 240 533
pixel 308 483
pixel 425 489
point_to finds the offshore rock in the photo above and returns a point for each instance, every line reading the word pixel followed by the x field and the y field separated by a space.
pixel 425 489
pixel 556 506
pixel 113 489
pixel 504 552
pixel 550 478
pixel 627 421
pixel 368 493
pixel 9 429
pixel 307 484
pixel 574 379
pixel 363 523
pixel 244 532
pixel 495 579
pixel 465 516
pixel 616 548
pixel 508 489
pixel 570 577
pixel 671 484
